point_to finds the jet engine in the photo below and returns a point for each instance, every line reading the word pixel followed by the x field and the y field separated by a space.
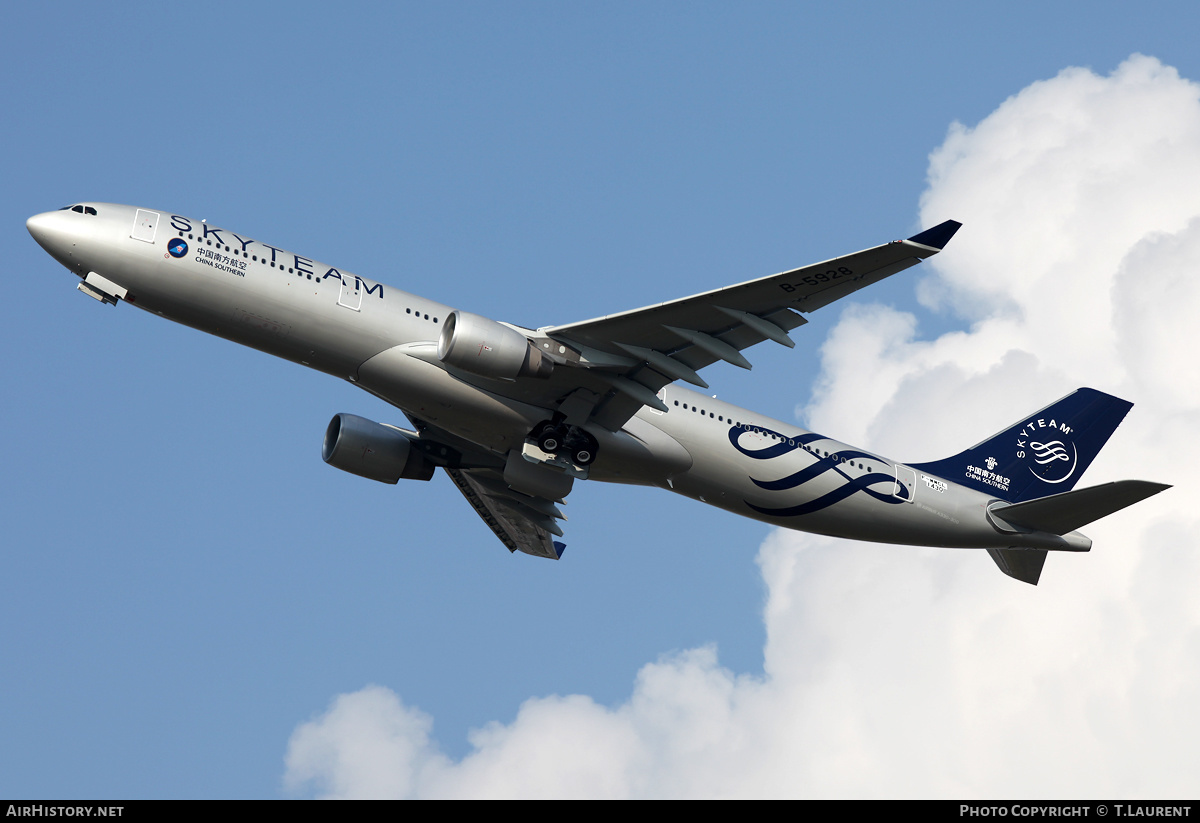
pixel 490 349
pixel 360 446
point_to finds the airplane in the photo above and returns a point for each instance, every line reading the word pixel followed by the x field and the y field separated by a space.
pixel 514 416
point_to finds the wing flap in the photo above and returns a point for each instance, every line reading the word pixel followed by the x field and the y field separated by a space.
pixel 521 522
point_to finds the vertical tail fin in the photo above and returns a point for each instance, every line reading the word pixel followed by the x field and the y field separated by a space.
pixel 1020 564
pixel 1045 453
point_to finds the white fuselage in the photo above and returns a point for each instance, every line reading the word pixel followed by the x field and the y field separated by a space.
pixel 384 340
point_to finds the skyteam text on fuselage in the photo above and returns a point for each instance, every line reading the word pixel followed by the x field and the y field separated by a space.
pixel 515 416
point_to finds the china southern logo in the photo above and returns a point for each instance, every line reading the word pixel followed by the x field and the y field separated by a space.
pixel 1052 456
pixel 177 247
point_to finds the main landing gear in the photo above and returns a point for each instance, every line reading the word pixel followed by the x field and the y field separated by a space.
pixel 565 442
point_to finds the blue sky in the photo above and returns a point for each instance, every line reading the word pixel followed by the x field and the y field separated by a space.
pixel 187 583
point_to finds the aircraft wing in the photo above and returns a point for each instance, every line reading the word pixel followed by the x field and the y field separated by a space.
pixel 647 348
pixel 521 522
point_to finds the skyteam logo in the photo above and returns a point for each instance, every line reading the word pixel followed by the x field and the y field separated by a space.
pixel 177 247
pixel 1048 450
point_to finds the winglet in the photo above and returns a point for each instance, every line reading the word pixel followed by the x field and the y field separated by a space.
pixel 938 236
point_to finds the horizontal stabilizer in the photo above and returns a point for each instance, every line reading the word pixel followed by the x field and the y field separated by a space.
pixel 1066 512
pixel 1020 564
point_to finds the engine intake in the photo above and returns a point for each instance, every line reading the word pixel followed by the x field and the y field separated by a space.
pixel 490 349
pixel 360 446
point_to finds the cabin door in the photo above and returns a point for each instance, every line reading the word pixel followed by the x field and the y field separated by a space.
pixel 906 484
pixel 351 293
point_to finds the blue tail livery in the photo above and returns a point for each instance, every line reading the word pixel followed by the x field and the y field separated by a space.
pixel 1043 454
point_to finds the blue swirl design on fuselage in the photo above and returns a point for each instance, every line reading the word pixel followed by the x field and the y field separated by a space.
pixel 832 463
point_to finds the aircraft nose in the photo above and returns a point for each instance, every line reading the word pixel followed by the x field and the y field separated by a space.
pixel 41 226
pixel 53 230
pixel 57 234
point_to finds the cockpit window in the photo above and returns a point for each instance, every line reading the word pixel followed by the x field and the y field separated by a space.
pixel 81 209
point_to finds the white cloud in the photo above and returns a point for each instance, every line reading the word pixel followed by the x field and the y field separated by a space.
pixel 892 671
pixel 367 744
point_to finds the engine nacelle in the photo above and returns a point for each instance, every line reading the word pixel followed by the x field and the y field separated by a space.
pixel 490 349
pixel 360 446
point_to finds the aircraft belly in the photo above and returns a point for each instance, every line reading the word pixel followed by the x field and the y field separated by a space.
pixel 430 393
pixel 955 519
pixel 640 454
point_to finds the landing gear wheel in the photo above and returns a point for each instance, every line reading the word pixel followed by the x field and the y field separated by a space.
pixel 582 448
pixel 551 439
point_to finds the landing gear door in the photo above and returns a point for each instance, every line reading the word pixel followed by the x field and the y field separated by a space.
pixel 351 294
pixel 906 484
